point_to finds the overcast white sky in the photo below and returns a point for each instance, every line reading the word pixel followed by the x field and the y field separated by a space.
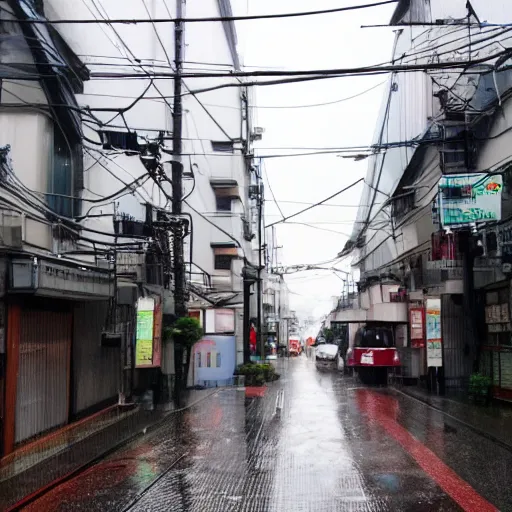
pixel 315 42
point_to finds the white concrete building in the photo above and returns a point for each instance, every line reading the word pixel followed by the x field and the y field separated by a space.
pixel 449 117
pixel 86 119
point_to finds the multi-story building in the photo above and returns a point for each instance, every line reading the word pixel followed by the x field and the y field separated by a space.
pixel 423 240
pixel 86 120
pixel 276 308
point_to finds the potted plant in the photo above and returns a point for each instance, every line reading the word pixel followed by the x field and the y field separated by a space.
pixel 480 387
pixel 256 376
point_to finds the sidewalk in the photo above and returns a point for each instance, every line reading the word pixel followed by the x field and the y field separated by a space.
pixel 493 422
pixel 19 482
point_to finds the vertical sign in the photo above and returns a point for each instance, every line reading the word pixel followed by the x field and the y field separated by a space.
pixel 417 327
pixel 157 334
pixel 433 321
pixel 144 333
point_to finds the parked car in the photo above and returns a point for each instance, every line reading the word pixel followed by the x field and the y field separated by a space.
pixel 328 357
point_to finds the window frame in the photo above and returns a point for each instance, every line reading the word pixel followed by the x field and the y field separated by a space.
pixel 63 153
pixel 223 201
pixel 224 258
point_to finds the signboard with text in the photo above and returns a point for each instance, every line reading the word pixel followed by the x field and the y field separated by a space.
pixel 433 328
pixel 157 334
pixel 417 323
pixel 144 332
pixel 468 198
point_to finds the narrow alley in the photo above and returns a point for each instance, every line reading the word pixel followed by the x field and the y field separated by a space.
pixel 336 446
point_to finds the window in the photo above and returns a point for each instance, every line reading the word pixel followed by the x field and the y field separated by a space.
pixel 223 262
pixel 223 204
pixel 402 205
pixel 65 176
pixel 223 146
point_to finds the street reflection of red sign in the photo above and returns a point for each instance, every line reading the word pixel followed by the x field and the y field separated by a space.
pixel 417 322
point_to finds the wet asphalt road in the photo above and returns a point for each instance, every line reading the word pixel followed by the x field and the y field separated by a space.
pixel 337 446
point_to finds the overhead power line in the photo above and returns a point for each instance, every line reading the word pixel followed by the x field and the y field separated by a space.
pixel 395 68
pixel 316 204
pixel 131 21
pixel 321 104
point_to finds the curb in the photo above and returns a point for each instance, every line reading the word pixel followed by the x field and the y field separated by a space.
pixel 469 426
pixel 35 495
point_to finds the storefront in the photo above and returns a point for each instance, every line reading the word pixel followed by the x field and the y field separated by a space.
pixel 55 366
pixel 496 359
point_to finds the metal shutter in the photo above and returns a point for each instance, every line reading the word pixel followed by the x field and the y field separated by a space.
pixel 43 376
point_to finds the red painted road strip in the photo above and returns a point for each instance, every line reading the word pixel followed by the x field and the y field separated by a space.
pixel 383 409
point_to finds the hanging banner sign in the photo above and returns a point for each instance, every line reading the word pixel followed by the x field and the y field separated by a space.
pixel 157 335
pixel 434 340
pixel 416 320
pixel 144 332
pixel 468 198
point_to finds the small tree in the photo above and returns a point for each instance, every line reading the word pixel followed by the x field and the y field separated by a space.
pixel 185 333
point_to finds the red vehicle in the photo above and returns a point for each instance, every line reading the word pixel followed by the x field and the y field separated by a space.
pixel 294 346
pixel 373 353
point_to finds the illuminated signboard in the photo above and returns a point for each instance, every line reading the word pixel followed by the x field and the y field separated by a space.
pixel 433 328
pixel 144 333
pixel 469 198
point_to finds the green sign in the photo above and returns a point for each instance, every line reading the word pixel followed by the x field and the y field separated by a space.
pixel 144 336
pixel 469 198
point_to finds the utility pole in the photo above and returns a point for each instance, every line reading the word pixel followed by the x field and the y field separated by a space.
pixel 260 339
pixel 177 166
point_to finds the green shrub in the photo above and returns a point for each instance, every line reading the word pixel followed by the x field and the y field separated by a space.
pixel 479 381
pixel 479 387
pixel 256 374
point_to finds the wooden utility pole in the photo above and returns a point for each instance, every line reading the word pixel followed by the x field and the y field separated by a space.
pixel 177 166
pixel 260 337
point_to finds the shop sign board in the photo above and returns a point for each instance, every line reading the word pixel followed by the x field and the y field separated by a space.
pixel 144 332
pixel 433 327
pixel 417 323
pixel 157 334
pixel 469 198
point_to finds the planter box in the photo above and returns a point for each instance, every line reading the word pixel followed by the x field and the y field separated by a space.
pixel 255 391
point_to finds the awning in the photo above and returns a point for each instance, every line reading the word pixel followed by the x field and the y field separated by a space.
pixel 225 188
pixel 43 277
pixel 225 249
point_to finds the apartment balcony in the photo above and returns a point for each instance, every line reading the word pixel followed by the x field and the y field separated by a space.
pixel 350 316
pixel 222 281
pixel 388 312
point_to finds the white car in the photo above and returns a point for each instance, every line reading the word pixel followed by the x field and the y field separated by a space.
pixel 328 357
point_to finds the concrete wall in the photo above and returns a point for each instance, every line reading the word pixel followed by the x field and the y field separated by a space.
pixel 214 116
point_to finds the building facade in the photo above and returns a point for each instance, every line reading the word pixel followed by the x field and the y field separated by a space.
pixel 87 263
pixel 440 147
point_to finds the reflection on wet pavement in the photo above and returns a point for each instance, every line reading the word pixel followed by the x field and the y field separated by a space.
pixel 335 447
